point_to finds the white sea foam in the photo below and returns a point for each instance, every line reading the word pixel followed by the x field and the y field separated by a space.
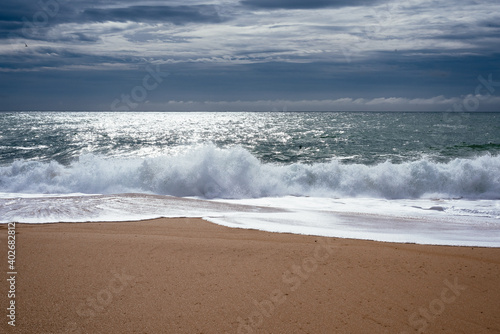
pixel 209 172
pixel 424 221
pixel 454 203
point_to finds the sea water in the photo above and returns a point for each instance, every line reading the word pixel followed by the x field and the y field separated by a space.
pixel 431 178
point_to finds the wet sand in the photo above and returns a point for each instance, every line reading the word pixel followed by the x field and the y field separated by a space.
pixel 191 276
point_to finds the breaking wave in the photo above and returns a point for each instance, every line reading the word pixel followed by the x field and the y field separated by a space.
pixel 209 172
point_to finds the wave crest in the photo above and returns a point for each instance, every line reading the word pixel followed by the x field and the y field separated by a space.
pixel 209 172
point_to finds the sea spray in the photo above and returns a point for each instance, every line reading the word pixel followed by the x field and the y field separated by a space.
pixel 210 172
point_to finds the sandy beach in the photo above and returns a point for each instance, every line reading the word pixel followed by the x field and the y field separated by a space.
pixel 191 276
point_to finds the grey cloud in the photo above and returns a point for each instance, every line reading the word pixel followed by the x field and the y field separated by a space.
pixel 411 52
pixel 44 58
pixel 14 11
pixel 79 37
pixel 306 4
pixel 491 23
pixel 150 36
pixel 33 20
pixel 173 14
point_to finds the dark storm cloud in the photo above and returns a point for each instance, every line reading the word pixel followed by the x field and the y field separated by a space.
pixel 46 58
pixel 83 54
pixel 385 75
pixel 306 4
pixel 483 35
pixel 493 23
pixel 14 15
pixel 16 10
pixel 173 14
pixel 81 37
pixel 32 19
pixel 82 11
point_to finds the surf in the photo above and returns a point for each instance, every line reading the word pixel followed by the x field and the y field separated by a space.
pixel 209 172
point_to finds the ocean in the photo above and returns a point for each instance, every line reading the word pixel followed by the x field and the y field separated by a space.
pixel 429 178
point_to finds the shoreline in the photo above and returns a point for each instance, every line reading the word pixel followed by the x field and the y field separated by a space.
pixel 138 221
pixel 188 275
pixel 407 221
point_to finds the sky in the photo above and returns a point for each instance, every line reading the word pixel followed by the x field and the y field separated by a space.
pixel 262 55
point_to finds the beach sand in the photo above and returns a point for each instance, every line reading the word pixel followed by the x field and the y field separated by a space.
pixel 192 276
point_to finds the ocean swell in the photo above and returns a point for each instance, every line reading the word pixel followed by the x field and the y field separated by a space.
pixel 209 172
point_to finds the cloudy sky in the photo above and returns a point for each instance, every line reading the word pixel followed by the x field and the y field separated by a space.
pixel 250 55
